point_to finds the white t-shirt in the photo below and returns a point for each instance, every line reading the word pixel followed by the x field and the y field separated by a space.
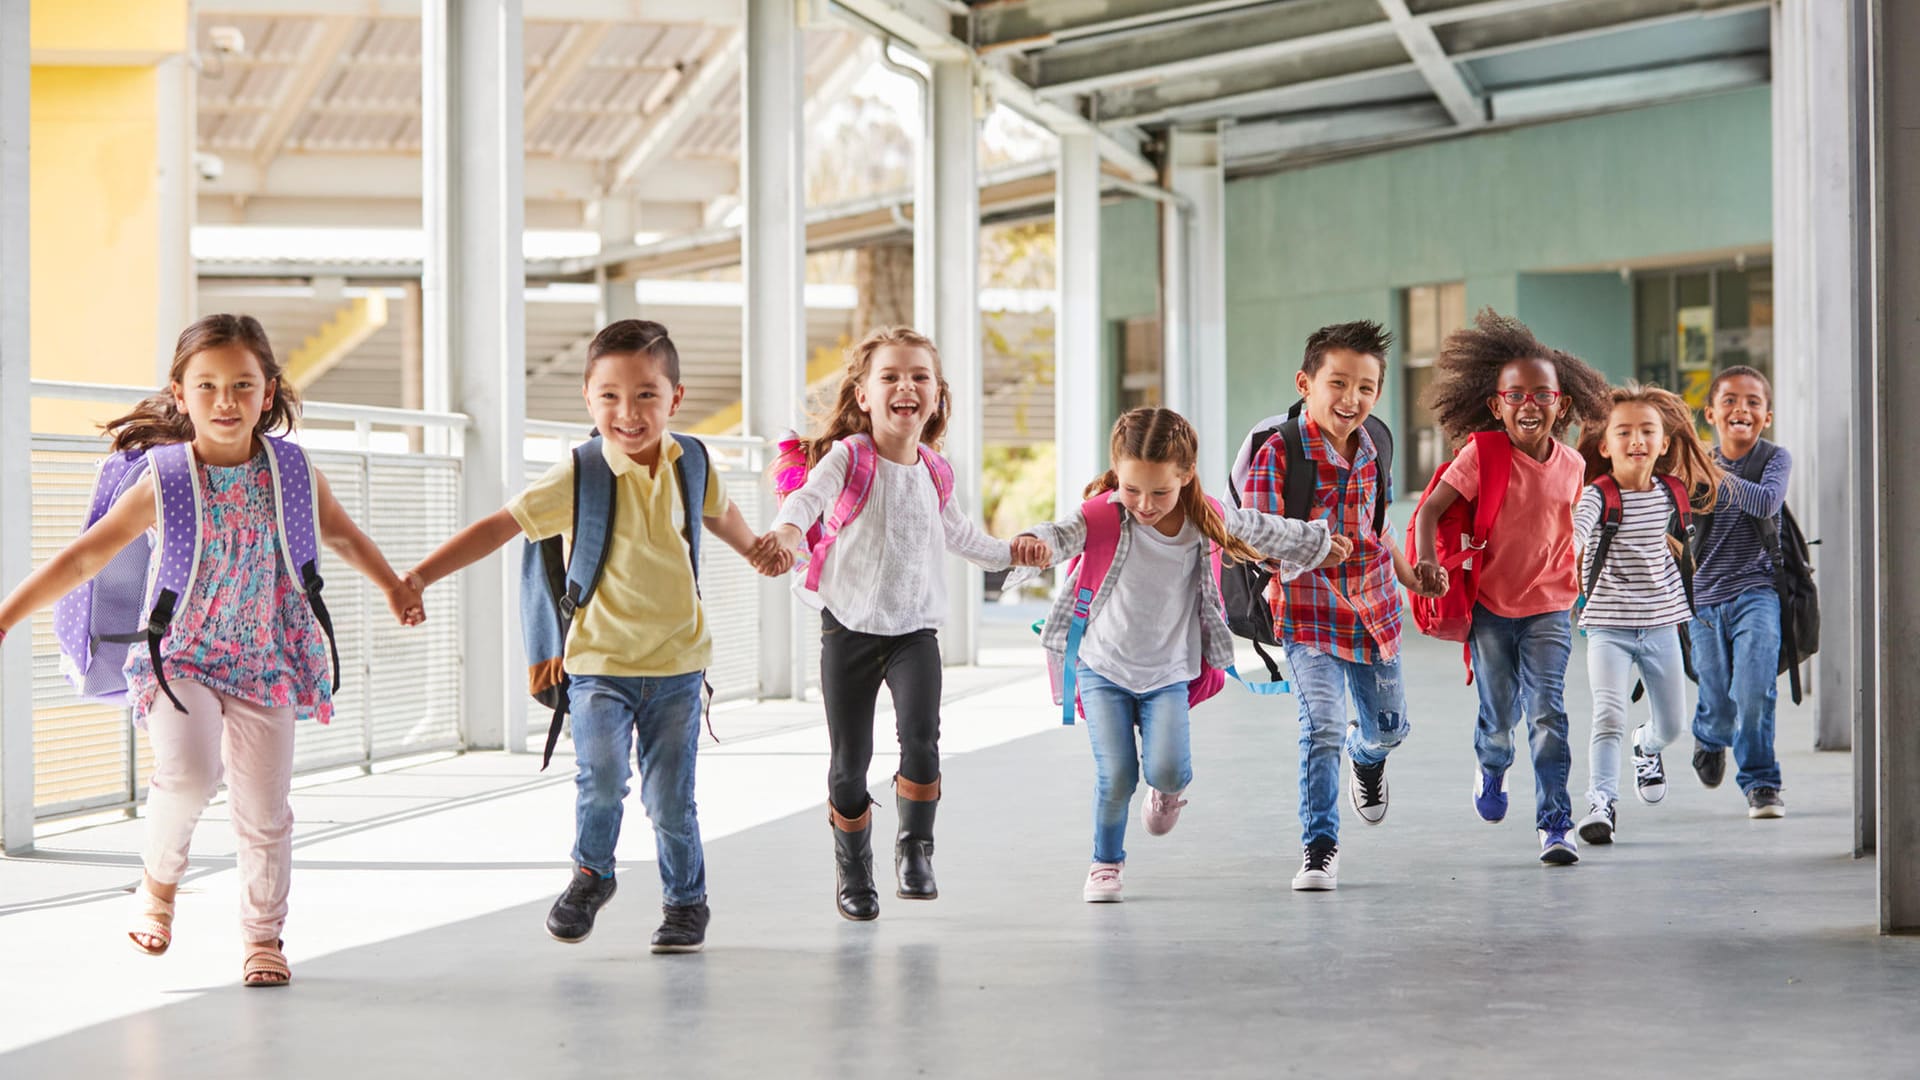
pixel 886 571
pixel 1640 586
pixel 1148 632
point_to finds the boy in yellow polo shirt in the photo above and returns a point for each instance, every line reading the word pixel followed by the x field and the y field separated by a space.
pixel 637 654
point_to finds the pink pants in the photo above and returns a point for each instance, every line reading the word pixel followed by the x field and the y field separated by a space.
pixel 256 745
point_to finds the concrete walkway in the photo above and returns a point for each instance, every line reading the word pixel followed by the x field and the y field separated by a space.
pixel 1702 943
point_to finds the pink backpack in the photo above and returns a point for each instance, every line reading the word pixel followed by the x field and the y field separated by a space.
pixel 790 471
pixel 1086 571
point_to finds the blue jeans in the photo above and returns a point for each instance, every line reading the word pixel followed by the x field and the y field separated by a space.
pixel 1612 656
pixel 1736 654
pixel 1164 751
pixel 1321 684
pixel 610 715
pixel 1520 666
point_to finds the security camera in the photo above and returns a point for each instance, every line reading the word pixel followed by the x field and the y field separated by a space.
pixel 227 40
pixel 209 166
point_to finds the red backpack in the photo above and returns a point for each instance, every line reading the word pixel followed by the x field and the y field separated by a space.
pixel 1463 530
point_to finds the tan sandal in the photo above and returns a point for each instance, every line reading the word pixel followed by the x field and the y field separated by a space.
pixel 265 965
pixel 153 921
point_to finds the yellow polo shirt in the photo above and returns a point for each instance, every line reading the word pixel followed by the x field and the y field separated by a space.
pixel 645 618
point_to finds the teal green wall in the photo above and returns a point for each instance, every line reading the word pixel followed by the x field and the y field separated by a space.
pixel 1339 241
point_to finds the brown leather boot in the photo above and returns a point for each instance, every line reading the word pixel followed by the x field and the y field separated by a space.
pixel 913 847
pixel 854 892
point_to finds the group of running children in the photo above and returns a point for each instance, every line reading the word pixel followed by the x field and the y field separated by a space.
pixel 1137 634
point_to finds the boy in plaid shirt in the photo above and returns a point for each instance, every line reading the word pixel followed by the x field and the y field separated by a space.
pixel 1341 625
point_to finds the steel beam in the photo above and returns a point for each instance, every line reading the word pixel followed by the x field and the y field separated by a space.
pixel 1024 26
pixel 955 140
pixel 473 298
pixel 1442 74
pixel 669 11
pixel 1629 88
pixel 689 105
pixel 1077 375
pixel 1340 127
pixel 773 265
pixel 1896 100
pixel 16 434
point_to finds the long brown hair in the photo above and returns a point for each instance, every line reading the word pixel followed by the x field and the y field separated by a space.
pixel 157 420
pixel 845 417
pixel 1163 437
pixel 1686 457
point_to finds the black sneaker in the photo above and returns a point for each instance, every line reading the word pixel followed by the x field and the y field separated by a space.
pixel 1765 802
pixel 1649 773
pixel 1710 766
pixel 1319 868
pixel 571 919
pixel 1597 827
pixel 1368 791
pixel 683 930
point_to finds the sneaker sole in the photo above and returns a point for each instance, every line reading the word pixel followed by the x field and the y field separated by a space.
pixel 1315 884
pixel 1596 834
pixel 679 948
pixel 1559 857
pixel 1650 799
pixel 569 940
pixel 1151 831
pixel 1758 812
pixel 1101 898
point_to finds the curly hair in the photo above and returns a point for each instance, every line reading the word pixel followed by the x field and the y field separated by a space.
pixel 844 417
pixel 1469 366
pixel 1164 437
pixel 1686 457
pixel 1366 337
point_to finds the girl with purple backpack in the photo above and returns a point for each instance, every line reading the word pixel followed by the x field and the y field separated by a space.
pixel 882 496
pixel 243 652
pixel 1139 632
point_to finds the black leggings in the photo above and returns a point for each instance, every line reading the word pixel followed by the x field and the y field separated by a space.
pixel 852 667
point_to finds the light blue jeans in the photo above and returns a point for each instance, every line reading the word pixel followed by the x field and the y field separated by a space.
pixel 1736 654
pixel 1321 684
pixel 662 715
pixel 1520 666
pixel 1612 656
pixel 1164 751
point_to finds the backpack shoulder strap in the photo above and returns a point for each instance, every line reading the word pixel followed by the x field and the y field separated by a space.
pixel 593 504
pixel 942 472
pixel 862 462
pixel 1303 476
pixel 1495 451
pixel 1090 570
pixel 1611 512
pixel 1382 436
pixel 296 508
pixel 1682 530
pixel 694 471
pixel 177 496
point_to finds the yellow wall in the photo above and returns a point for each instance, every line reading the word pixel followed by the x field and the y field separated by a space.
pixel 95 209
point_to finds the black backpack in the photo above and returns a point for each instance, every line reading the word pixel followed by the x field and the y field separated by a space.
pixel 1243 585
pixel 1792 572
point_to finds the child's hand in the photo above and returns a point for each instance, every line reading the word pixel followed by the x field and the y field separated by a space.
pixel 1429 579
pixel 769 556
pixel 403 599
pixel 1030 550
pixel 1337 551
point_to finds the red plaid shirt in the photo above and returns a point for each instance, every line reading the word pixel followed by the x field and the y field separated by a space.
pixel 1352 610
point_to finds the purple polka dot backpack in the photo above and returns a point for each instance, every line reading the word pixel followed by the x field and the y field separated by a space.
pixel 133 599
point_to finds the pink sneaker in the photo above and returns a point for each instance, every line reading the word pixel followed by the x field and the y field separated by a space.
pixel 1163 811
pixel 1103 884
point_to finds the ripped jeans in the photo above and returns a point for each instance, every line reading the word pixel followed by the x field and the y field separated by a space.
pixel 1321 684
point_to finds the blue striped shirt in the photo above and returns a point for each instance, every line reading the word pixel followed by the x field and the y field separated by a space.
pixel 1733 561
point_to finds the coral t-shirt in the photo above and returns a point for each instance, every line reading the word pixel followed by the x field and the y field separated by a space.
pixel 1528 567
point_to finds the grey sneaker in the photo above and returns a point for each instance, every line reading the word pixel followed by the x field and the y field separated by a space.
pixel 1765 802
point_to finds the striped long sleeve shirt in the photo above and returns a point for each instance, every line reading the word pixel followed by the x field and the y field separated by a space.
pixel 1733 561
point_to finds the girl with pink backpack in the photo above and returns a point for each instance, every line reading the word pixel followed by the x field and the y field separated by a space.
pixel 1139 632
pixel 868 502
pixel 238 647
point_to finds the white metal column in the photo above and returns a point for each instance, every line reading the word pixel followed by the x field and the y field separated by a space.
pixel 773 263
pixel 1078 446
pixel 474 285
pixel 954 142
pixel 177 281
pixel 1815 336
pixel 615 218
pixel 1896 101
pixel 1194 283
pixel 16 438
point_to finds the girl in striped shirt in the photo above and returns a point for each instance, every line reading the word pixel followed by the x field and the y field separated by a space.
pixel 1643 466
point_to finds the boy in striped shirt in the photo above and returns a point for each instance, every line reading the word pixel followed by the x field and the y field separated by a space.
pixel 1735 633
pixel 1341 625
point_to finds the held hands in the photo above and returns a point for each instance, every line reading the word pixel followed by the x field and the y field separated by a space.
pixel 772 553
pixel 1030 550
pixel 403 599
pixel 1337 551
pixel 1429 579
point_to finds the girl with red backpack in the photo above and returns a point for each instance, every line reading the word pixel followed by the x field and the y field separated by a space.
pixel 1507 397
pixel 1138 645
pixel 244 651
pixel 1647 474
pixel 882 495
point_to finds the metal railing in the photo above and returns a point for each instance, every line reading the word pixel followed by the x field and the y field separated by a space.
pixel 86 755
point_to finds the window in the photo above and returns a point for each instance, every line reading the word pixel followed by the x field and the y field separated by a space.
pixel 1139 367
pixel 1691 324
pixel 1431 313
